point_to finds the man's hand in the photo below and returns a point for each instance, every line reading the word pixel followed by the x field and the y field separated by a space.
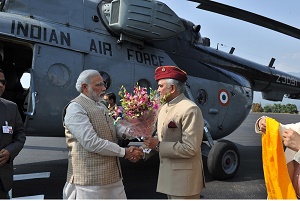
pixel 151 142
pixel 291 139
pixel 133 153
pixel 262 124
pixel 4 156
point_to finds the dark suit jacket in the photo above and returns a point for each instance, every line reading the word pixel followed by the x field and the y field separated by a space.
pixel 14 142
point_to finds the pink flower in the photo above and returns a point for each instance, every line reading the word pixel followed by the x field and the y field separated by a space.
pixel 140 110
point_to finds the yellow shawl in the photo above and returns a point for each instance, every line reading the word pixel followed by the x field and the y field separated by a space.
pixel 278 182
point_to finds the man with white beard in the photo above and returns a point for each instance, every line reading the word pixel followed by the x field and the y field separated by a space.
pixel 94 170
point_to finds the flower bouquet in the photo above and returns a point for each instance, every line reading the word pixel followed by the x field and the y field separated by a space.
pixel 139 111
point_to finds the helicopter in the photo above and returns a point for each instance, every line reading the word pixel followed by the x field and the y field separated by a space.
pixel 125 40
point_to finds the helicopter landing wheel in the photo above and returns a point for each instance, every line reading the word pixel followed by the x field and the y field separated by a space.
pixel 223 160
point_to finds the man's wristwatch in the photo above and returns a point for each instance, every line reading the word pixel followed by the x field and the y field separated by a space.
pixel 157 146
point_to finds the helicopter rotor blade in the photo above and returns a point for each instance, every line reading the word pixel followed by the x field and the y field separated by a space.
pixel 248 17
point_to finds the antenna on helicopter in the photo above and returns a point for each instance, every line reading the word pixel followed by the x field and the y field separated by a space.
pixel 220 45
pixel 231 50
pixel 271 63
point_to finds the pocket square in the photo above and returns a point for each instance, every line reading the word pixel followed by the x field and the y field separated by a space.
pixel 172 125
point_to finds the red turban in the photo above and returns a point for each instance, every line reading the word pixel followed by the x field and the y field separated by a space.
pixel 173 72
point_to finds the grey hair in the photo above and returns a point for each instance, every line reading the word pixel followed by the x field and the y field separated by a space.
pixel 85 78
pixel 179 85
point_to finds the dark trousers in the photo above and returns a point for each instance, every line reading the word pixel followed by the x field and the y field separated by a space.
pixel 3 194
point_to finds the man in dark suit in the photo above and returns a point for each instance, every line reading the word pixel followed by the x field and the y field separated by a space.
pixel 12 139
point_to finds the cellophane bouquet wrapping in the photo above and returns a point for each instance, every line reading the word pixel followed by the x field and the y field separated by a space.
pixel 139 111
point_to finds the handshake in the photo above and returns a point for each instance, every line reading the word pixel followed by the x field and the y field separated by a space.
pixel 133 154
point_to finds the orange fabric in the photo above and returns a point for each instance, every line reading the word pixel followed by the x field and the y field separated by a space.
pixel 278 182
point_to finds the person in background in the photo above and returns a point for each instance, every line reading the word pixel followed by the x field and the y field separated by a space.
pixel 12 139
pixel 179 137
pixel 111 99
pixel 114 110
pixel 94 170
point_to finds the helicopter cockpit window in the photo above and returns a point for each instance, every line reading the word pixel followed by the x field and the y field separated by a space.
pixel 201 96
pixel 106 78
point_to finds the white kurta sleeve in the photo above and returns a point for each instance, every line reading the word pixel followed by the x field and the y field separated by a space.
pixel 78 123
pixel 290 154
pixel 256 127
pixel 297 157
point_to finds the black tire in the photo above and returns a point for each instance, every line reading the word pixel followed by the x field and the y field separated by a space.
pixel 223 160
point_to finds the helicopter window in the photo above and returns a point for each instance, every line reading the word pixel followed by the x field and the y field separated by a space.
pixel 201 96
pixel 25 80
pixel 59 75
pixel 144 83
pixel 106 78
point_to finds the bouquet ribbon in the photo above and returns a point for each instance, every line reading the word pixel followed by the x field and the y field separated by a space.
pixel 277 179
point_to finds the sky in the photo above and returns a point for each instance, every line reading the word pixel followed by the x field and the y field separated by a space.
pixel 251 42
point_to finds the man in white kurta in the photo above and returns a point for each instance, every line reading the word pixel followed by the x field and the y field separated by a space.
pixel 94 170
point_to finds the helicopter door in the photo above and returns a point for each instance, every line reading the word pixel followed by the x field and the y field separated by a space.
pixel 53 77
